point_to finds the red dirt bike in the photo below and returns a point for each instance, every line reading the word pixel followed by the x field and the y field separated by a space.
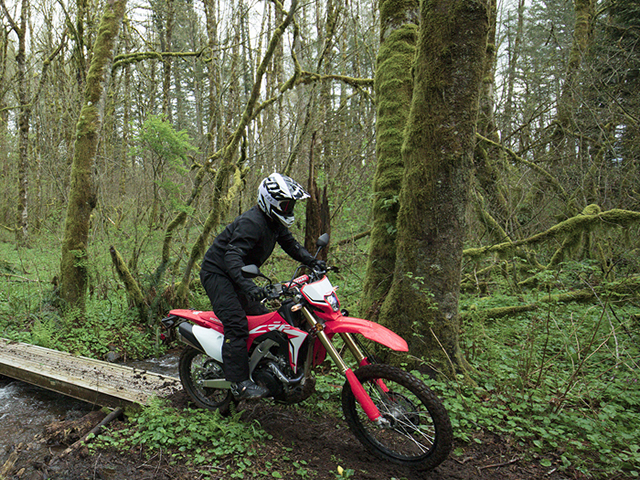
pixel 391 412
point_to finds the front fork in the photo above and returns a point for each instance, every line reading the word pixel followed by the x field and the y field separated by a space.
pixel 356 387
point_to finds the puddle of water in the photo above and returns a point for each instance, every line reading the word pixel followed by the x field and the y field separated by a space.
pixel 166 365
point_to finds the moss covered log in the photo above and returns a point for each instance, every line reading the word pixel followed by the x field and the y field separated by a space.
pixel 590 218
pixel 623 290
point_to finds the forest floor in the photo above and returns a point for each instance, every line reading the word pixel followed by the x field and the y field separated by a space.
pixel 303 447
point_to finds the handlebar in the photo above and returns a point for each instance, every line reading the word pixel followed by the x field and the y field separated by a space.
pixel 274 291
pixel 277 290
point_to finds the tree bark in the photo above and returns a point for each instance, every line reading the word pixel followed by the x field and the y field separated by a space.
pixel 582 38
pixel 213 71
pixel 22 232
pixel 318 219
pixel 422 304
pixel 82 195
pixel 394 88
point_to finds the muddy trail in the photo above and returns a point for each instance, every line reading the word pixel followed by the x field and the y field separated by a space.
pixel 303 446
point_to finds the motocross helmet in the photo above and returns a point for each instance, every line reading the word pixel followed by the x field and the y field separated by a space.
pixel 277 195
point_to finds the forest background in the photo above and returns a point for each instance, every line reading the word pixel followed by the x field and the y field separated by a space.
pixel 188 105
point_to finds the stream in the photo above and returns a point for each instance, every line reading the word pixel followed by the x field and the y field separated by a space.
pixel 26 409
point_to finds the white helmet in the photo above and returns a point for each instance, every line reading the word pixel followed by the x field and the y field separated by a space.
pixel 277 195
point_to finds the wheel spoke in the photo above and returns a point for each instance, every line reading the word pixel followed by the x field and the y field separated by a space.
pixel 195 367
pixel 415 429
pixel 386 404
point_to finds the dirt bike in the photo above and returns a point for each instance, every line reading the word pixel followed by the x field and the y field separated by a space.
pixel 390 411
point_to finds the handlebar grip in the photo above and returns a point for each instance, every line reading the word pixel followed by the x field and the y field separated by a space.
pixel 274 291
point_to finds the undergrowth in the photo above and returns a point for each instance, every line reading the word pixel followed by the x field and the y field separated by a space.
pixel 200 439
pixel 562 382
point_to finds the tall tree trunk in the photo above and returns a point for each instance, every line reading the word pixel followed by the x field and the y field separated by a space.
pixel 5 197
pixel 488 159
pixel 22 232
pixel 513 48
pixel 422 304
pixel 82 195
pixel 213 70
pixel 394 88
pixel 166 46
pixel 317 216
pixel 582 37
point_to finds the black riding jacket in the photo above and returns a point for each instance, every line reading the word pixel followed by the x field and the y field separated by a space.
pixel 250 239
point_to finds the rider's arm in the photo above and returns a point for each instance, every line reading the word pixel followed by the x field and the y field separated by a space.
pixel 290 245
pixel 244 239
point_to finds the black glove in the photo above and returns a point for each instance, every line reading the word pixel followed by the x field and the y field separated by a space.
pixel 318 265
pixel 256 293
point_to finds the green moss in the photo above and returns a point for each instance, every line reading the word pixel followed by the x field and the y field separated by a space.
pixel 82 196
pixel 394 89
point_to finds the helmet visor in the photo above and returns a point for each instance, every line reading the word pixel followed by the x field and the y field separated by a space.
pixel 286 206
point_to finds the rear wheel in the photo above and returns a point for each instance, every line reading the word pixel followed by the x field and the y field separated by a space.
pixel 196 366
pixel 414 430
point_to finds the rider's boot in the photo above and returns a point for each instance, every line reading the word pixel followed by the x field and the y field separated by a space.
pixel 248 390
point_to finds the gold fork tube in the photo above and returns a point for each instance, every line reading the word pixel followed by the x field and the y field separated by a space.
pixel 348 340
pixel 324 339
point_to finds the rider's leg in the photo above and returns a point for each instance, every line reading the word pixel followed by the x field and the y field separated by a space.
pixel 227 307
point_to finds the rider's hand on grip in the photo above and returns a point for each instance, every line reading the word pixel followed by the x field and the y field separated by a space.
pixel 274 291
pixel 257 293
pixel 318 265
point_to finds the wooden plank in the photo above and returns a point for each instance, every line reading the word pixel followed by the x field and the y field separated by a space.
pixel 94 381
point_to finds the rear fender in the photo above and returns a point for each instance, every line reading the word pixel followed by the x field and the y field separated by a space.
pixel 371 330
pixel 206 340
pixel 204 319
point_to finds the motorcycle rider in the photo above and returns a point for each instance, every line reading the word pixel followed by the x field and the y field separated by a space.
pixel 250 239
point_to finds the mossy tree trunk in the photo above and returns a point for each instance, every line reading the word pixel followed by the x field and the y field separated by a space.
pixel 19 27
pixel 394 87
pixel 582 39
pixel 82 195
pixel 422 304
pixel 4 130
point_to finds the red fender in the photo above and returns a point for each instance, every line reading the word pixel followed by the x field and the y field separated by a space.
pixel 372 331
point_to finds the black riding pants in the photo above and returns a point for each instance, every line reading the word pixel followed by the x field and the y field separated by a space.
pixel 231 307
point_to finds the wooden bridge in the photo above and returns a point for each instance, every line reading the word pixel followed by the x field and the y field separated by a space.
pixel 93 381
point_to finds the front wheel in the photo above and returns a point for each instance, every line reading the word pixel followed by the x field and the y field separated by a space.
pixel 414 430
pixel 196 366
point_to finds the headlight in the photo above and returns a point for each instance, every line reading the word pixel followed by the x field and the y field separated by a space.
pixel 332 300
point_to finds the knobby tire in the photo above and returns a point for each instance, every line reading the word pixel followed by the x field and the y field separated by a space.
pixel 195 365
pixel 418 432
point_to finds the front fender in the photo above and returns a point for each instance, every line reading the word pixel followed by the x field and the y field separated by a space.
pixel 372 331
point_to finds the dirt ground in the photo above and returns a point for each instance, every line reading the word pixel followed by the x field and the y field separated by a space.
pixel 323 443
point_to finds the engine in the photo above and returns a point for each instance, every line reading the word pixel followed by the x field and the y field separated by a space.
pixel 270 355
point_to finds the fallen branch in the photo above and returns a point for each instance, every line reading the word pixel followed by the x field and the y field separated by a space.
pixel 6 469
pixel 497 465
pixel 67 432
pixel 626 287
pixel 581 222
pixel 108 419
pixel 22 279
pixel 354 238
